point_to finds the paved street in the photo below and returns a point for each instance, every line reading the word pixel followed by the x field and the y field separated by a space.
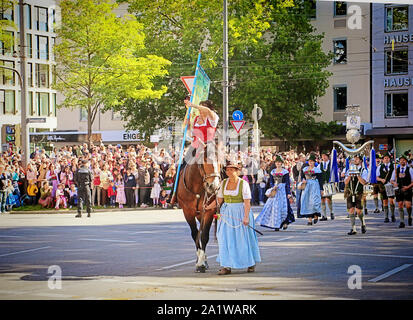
pixel 149 254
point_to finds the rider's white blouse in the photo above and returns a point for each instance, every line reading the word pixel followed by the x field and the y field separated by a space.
pixel 246 191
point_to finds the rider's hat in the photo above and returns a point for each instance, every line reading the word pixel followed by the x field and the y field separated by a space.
pixel 233 164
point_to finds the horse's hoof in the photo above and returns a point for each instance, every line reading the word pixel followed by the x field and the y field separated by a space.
pixel 200 269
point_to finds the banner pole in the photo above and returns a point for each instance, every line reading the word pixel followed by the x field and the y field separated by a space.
pixel 186 128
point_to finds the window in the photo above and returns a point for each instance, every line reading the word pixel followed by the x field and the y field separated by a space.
pixel 7 45
pixel 52 44
pixel 340 8
pixel 42 47
pixel 8 101
pixel 29 44
pixel 340 97
pixel 53 19
pixel 42 75
pixel 116 115
pixel 83 114
pixel 53 76
pixel 27 17
pixel 30 74
pixel 41 19
pixel 340 51
pixel 397 61
pixel 32 110
pixel 396 104
pixel 42 103
pixel 7 76
pixel 397 18
pixel 6 11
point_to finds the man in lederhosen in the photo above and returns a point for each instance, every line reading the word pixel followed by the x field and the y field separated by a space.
pixel 376 189
pixel 384 174
pixel 403 179
pixel 325 178
pixel 83 179
pixel 354 181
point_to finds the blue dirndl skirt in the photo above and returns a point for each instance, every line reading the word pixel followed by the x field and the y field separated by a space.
pixel 238 244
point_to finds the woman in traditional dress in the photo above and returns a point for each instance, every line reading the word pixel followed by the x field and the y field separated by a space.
pixel 277 211
pixel 309 201
pixel 238 243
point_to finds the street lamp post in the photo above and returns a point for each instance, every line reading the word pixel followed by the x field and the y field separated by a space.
pixel 225 76
pixel 25 148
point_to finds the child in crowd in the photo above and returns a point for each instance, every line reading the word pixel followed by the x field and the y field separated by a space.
pixel 156 189
pixel 112 194
pixel 72 196
pixel 10 196
pixel 60 197
pixel 46 200
pixel 163 198
pixel 32 191
pixel 120 191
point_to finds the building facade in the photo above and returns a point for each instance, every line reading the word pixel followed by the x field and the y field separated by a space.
pixel 392 77
pixel 39 17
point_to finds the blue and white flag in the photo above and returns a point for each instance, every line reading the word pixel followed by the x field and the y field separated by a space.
pixel 334 167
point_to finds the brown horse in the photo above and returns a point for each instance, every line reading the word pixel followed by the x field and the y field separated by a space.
pixel 197 187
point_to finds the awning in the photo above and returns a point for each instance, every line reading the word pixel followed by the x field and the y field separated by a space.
pixel 390 131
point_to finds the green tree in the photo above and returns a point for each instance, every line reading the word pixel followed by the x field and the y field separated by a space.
pixel 101 59
pixel 275 60
pixel 6 27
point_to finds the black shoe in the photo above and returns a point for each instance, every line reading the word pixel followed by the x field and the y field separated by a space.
pixel 285 226
pixel 402 225
pixel 315 221
pixel 88 215
pixel 386 220
pixel 410 221
pixel 393 219
pixel 309 223
pixel 377 211
pixel 352 232
pixel 366 212
pixel 332 216
pixel 276 229
pixel 323 219
pixel 78 215
pixel 363 229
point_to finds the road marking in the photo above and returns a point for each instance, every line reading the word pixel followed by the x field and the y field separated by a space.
pixel 282 239
pixel 154 231
pixel 108 240
pixel 183 263
pixel 390 273
pixel 374 255
pixel 11 236
pixel 24 251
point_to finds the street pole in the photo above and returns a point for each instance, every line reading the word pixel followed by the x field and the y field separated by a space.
pixel 225 78
pixel 25 148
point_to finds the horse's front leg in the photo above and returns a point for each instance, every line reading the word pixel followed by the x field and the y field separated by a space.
pixel 203 236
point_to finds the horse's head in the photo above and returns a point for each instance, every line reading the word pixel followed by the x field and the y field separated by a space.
pixel 210 169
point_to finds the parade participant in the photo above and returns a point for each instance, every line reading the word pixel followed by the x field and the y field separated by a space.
pixel 237 243
pixel 403 179
pixel 376 190
pixel 355 182
pixel 83 179
pixel 325 178
pixel 364 198
pixel 203 130
pixel 277 211
pixel 309 201
pixel 384 174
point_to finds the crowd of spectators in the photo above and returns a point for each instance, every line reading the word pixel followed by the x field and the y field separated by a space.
pixel 131 176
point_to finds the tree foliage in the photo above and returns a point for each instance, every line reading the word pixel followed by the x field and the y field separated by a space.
pixel 276 61
pixel 101 58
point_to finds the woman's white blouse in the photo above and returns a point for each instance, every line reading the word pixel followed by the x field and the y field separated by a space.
pixel 246 191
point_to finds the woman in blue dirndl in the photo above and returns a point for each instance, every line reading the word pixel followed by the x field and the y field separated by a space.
pixel 309 201
pixel 277 211
pixel 237 242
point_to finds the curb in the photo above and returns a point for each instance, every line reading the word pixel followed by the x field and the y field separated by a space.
pixel 72 211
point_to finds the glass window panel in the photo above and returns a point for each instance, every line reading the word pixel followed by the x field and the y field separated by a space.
pixel 340 8
pixel 340 51
pixel 30 74
pixel 397 18
pixel 7 77
pixel 7 45
pixel 340 98
pixel 41 19
pixel 43 103
pixel 28 15
pixel 9 102
pixel 29 44
pixel 400 105
pixel 42 47
pixel 400 61
pixel 42 75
